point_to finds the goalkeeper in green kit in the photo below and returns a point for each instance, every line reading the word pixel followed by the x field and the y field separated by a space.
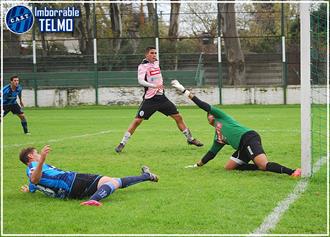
pixel 245 141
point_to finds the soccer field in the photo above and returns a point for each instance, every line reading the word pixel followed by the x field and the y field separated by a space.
pixel 207 200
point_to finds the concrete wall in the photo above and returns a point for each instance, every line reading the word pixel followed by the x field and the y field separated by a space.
pixel 133 96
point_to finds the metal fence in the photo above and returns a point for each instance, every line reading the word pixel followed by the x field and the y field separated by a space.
pixel 268 36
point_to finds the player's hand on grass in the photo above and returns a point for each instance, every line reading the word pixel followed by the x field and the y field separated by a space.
pixel 191 166
pixel 25 189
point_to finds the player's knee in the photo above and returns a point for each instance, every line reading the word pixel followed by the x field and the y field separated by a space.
pixel 229 167
pixel 177 117
pixel 22 116
pixel 261 161
pixel 138 121
pixel 262 166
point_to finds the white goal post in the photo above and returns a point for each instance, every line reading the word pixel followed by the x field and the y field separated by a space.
pixel 305 82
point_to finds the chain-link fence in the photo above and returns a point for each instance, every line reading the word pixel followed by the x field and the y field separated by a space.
pixel 262 49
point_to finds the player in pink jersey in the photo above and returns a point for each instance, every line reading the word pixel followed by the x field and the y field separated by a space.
pixel 154 99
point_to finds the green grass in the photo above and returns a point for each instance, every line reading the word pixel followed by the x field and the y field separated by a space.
pixel 185 201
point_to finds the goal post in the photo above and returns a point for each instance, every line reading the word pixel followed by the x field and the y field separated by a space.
pixel 305 93
pixel 314 80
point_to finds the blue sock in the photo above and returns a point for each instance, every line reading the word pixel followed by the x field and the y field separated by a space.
pixel 131 180
pixel 104 191
pixel 24 125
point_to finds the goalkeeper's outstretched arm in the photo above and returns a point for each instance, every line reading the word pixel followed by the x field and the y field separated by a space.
pixel 201 104
pixel 206 158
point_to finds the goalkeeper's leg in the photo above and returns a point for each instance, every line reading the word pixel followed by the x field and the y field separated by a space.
pixel 263 164
pixel 239 160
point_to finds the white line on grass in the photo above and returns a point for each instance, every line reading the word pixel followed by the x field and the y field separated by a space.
pixel 59 140
pixel 274 217
pixel 108 131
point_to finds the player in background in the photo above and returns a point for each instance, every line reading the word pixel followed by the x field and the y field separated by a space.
pixel 245 141
pixel 9 97
pixel 154 99
pixel 67 184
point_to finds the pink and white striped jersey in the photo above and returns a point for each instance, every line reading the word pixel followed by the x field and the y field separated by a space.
pixel 150 76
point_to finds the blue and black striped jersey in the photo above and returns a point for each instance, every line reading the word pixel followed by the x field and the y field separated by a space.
pixel 8 96
pixel 54 182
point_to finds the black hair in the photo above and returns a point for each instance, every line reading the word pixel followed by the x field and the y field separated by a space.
pixel 12 77
pixel 149 48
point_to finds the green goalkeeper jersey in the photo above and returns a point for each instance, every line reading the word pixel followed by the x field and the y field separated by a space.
pixel 227 130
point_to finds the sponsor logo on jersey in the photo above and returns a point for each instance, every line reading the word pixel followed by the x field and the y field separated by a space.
pixel 154 72
pixel 220 138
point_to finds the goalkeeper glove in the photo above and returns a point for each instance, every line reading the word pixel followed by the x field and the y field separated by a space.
pixel 194 165
pixel 176 84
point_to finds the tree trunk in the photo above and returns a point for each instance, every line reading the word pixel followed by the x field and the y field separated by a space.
pixel 80 31
pixel 234 53
pixel 132 30
pixel 174 21
pixel 89 40
pixel 82 38
pixel 116 25
pixel 151 12
pixel 173 29
pixel 141 19
pixel 44 45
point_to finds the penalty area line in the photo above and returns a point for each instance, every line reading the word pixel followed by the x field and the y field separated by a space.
pixel 59 140
pixel 274 217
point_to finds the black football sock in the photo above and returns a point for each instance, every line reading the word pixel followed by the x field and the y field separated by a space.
pixel 131 180
pixel 24 125
pixel 247 167
pixel 277 168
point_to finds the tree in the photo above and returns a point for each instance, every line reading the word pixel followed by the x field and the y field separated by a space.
pixel 151 12
pixel 174 21
pixel 84 30
pixel 234 53
pixel 116 25
pixel 174 26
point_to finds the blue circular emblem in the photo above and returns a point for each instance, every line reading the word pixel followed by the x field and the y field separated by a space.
pixel 19 19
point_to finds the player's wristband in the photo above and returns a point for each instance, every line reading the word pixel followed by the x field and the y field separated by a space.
pixel 186 93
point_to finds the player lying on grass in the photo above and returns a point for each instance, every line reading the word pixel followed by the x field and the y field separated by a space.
pixel 245 141
pixel 66 184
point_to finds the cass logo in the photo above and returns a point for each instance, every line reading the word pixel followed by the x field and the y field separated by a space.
pixel 19 19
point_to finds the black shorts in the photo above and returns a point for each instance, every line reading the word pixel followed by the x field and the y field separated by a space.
pixel 84 185
pixel 249 147
pixel 15 109
pixel 157 103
